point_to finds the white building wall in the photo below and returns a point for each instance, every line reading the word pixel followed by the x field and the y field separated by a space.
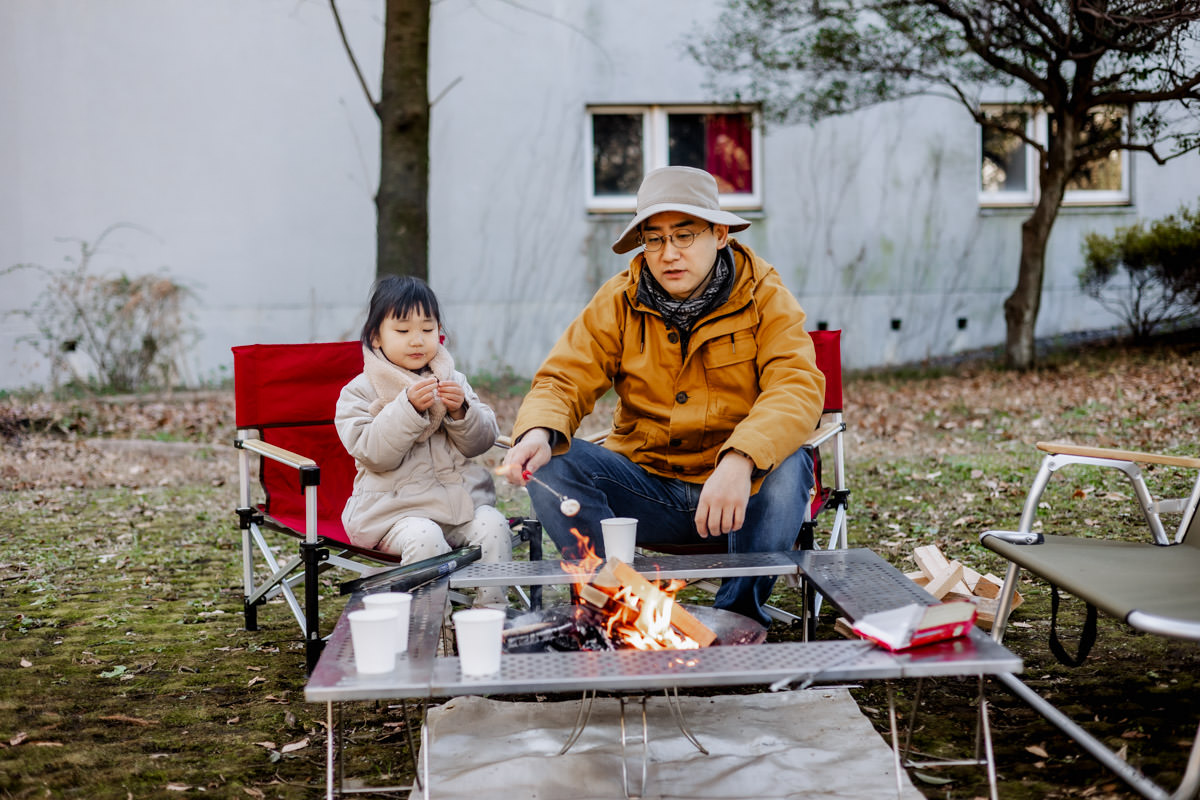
pixel 235 134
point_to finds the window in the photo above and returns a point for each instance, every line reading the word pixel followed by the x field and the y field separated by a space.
pixel 1008 164
pixel 625 143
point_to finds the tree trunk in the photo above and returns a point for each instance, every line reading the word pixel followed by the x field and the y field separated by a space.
pixel 402 233
pixel 1022 306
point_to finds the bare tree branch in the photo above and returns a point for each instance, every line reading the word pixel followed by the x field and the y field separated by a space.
pixel 337 18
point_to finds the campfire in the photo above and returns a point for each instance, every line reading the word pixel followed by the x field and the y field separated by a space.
pixel 614 608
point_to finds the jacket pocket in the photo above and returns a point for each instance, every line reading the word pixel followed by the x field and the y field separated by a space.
pixel 731 373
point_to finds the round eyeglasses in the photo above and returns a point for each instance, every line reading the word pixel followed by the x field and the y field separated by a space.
pixel 652 242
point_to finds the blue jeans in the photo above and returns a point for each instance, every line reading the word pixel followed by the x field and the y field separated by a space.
pixel 609 485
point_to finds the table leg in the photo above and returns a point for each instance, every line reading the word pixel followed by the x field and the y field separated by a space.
pixel 581 720
pixel 673 704
pixel 895 743
pixel 989 753
pixel 645 751
pixel 412 748
pixel 424 783
pixel 329 750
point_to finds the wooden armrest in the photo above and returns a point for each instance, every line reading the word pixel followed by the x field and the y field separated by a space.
pixel 1068 449
pixel 598 437
pixel 824 433
pixel 594 438
pixel 286 457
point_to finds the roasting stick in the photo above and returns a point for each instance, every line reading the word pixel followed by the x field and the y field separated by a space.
pixel 567 505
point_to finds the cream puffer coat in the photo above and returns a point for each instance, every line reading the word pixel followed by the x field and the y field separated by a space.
pixel 748 382
pixel 400 477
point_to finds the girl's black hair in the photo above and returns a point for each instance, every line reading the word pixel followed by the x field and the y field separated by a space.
pixel 397 296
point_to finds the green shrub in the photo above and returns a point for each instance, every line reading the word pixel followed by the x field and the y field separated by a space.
pixel 1161 265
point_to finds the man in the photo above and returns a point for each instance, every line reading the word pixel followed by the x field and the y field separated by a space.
pixel 717 383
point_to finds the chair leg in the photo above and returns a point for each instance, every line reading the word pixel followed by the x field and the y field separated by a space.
pixel 535 554
pixel 251 613
pixel 311 554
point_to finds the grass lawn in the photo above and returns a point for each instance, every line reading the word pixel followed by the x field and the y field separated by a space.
pixel 125 670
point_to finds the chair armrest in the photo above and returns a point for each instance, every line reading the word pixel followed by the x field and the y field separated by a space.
pixel 286 457
pixel 1067 449
pixel 594 438
pixel 824 434
pixel 815 439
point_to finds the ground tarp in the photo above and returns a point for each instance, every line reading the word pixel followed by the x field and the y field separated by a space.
pixel 814 744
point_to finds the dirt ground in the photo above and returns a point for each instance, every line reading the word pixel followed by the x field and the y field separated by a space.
pixel 934 458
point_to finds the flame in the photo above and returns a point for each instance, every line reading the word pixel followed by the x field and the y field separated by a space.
pixel 631 619
pixel 587 562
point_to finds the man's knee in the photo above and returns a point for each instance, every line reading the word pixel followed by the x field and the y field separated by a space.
pixel 794 476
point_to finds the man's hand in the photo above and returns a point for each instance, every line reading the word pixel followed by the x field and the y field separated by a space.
pixel 526 455
pixel 726 493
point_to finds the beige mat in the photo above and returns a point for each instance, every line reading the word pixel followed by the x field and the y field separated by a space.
pixel 813 744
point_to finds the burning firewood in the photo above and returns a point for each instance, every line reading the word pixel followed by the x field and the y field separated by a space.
pixel 639 612
pixel 636 612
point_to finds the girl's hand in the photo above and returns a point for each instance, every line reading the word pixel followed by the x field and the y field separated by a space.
pixel 422 394
pixel 453 397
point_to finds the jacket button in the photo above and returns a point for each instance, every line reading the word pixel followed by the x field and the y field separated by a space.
pixel 672 337
pixel 676 442
pixel 681 397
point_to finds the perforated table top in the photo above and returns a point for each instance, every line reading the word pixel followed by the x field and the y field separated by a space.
pixel 838 574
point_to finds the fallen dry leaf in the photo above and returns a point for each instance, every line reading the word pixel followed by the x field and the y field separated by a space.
pixel 20 737
pixel 294 746
pixel 1037 750
pixel 26 662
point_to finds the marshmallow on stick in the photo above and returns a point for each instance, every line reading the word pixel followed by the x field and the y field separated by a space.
pixel 567 506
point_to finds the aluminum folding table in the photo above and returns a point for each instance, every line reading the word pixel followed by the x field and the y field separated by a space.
pixel 856 581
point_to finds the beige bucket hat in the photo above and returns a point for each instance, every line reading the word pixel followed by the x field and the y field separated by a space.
pixel 686 189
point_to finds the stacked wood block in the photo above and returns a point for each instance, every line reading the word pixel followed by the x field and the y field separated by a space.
pixel 946 579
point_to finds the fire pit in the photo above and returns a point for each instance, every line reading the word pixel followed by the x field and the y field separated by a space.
pixel 582 627
pixel 613 607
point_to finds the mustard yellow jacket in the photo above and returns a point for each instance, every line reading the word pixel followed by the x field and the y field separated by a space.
pixel 748 382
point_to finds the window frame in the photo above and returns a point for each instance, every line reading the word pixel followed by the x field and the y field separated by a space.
pixel 655 152
pixel 1008 199
pixel 1038 129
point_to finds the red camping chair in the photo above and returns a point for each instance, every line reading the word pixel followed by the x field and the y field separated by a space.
pixel 830 495
pixel 285 398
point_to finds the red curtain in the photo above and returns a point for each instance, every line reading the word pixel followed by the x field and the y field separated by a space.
pixel 728 151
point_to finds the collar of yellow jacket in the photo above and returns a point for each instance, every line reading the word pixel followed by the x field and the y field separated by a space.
pixel 746 264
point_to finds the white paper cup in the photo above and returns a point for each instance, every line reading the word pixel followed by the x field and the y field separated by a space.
pixel 402 603
pixel 373 631
pixel 478 633
pixel 620 535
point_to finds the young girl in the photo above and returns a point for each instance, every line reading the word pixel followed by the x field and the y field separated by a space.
pixel 411 422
